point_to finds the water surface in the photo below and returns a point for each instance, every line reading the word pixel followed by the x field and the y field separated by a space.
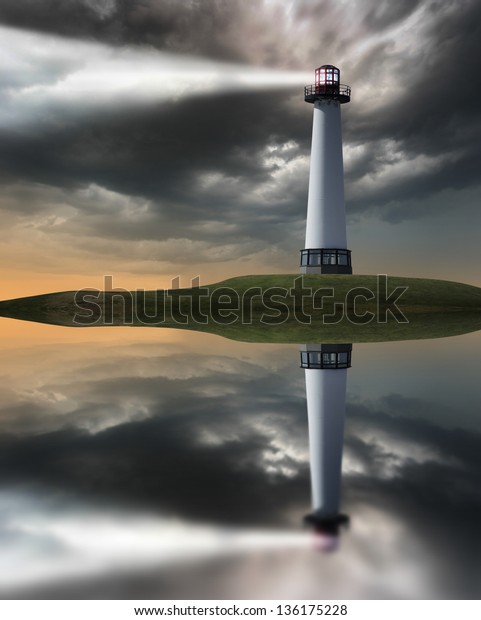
pixel 143 463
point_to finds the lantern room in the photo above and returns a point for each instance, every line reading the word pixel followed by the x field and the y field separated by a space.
pixel 327 86
pixel 328 76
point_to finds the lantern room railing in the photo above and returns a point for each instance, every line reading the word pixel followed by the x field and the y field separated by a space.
pixel 340 92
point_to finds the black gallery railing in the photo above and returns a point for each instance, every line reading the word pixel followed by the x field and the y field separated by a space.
pixel 343 91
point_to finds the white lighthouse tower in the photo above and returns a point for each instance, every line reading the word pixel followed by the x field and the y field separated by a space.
pixel 326 244
pixel 326 374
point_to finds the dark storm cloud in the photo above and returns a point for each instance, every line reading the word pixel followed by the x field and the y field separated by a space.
pixel 162 154
pixel 383 14
pixel 213 28
pixel 203 160
pixel 435 115
pixel 157 150
pixel 69 17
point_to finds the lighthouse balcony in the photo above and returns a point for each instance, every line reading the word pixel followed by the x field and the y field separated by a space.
pixel 333 91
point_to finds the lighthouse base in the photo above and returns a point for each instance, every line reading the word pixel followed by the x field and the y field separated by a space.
pixel 327 269
pixel 326 260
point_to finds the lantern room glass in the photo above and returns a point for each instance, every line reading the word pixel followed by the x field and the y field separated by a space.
pixel 327 75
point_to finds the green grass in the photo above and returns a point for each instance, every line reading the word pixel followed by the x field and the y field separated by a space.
pixel 433 308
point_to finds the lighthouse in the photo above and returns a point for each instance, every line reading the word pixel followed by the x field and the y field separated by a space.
pixel 326 375
pixel 326 242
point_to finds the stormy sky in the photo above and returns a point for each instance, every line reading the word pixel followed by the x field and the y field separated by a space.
pixel 153 138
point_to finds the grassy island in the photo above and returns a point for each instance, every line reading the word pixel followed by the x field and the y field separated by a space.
pixel 275 308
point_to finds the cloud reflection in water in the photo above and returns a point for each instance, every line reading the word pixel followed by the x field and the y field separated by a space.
pixel 181 470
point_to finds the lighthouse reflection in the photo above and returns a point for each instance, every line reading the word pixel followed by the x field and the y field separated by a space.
pixel 326 377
